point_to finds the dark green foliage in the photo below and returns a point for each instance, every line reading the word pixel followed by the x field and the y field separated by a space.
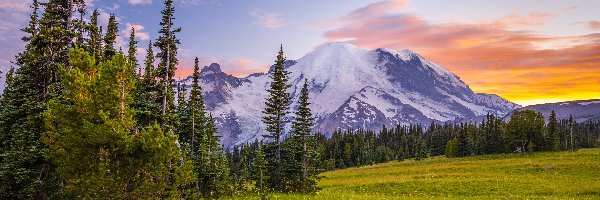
pixel 451 148
pixel 301 157
pixel 132 50
pixel 275 113
pixel 552 139
pixel 167 44
pixel 147 110
pixel 92 126
pixel 24 173
pixel 10 75
pixel 260 173
pixel 95 36
pixel 110 37
pixel 526 128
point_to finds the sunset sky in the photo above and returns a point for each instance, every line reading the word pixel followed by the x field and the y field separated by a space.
pixel 528 52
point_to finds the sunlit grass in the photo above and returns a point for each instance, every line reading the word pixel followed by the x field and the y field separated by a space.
pixel 554 175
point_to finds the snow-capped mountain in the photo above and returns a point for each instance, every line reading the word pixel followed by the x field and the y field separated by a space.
pixel 349 88
pixel 582 111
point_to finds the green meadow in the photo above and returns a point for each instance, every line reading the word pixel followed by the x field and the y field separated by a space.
pixel 549 175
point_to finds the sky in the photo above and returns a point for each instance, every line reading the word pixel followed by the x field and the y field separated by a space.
pixel 527 51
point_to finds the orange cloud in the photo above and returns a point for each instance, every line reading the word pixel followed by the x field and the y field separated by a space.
pixel 521 66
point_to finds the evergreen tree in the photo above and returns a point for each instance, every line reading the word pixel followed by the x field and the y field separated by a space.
pixel 10 76
pixel 92 126
pixel 304 143
pixel 571 137
pixel 167 55
pixel 261 173
pixel 213 171
pixel 194 125
pixel 147 110
pixel 24 173
pixel 451 148
pixel 95 36
pixel 110 37
pixel 276 111
pixel 526 129
pixel 463 143
pixel 553 138
pixel 132 50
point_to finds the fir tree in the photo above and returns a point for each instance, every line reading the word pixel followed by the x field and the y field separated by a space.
pixel 24 173
pixel 275 117
pixel 167 44
pixel 147 110
pixel 132 50
pixel 260 175
pixel 553 138
pixel 304 142
pixel 213 171
pixel 92 126
pixel 95 36
pixel 110 37
pixel 10 76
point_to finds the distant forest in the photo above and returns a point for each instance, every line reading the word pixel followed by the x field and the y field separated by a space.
pixel 81 119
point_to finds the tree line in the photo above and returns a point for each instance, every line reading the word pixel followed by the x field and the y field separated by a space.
pixel 526 131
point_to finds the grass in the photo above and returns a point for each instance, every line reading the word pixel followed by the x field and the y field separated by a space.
pixel 550 175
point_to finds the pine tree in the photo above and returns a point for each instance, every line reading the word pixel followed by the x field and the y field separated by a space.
pixel 167 44
pixel 24 172
pixel 95 36
pixel 147 110
pixel 260 173
pixel 213 171
pixel 110 37
pixel 93 126
pixel 571 137
pixel 553 138
pixel 275 117
pixel 194 125
pixel 304 143
pixel 10 75
pixel 132 50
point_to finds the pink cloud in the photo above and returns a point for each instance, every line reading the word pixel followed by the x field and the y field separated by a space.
pixel 487 51
pixel 267 20
pixel 594 25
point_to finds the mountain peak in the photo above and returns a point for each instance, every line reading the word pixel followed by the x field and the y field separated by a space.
pixel 338 47
pixel 211 69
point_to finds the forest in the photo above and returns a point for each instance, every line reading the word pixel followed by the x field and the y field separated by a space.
pixel 81 118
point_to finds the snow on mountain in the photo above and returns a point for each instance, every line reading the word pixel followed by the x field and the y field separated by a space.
pixel 583 110
pixel 349 88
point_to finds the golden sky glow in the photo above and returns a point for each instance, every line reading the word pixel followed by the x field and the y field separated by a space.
pixel 496 57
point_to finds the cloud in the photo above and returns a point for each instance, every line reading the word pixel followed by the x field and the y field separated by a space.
pixel 518 65
pixel 139 31
pixel 594 25
pixel 267 20
pixel 14 5
pixel 139 2
pixel 533 19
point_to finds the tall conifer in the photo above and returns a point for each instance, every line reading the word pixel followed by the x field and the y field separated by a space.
pixel 275 117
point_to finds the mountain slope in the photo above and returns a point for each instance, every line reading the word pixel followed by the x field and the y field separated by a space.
pixel 582 111
pixel 351 88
